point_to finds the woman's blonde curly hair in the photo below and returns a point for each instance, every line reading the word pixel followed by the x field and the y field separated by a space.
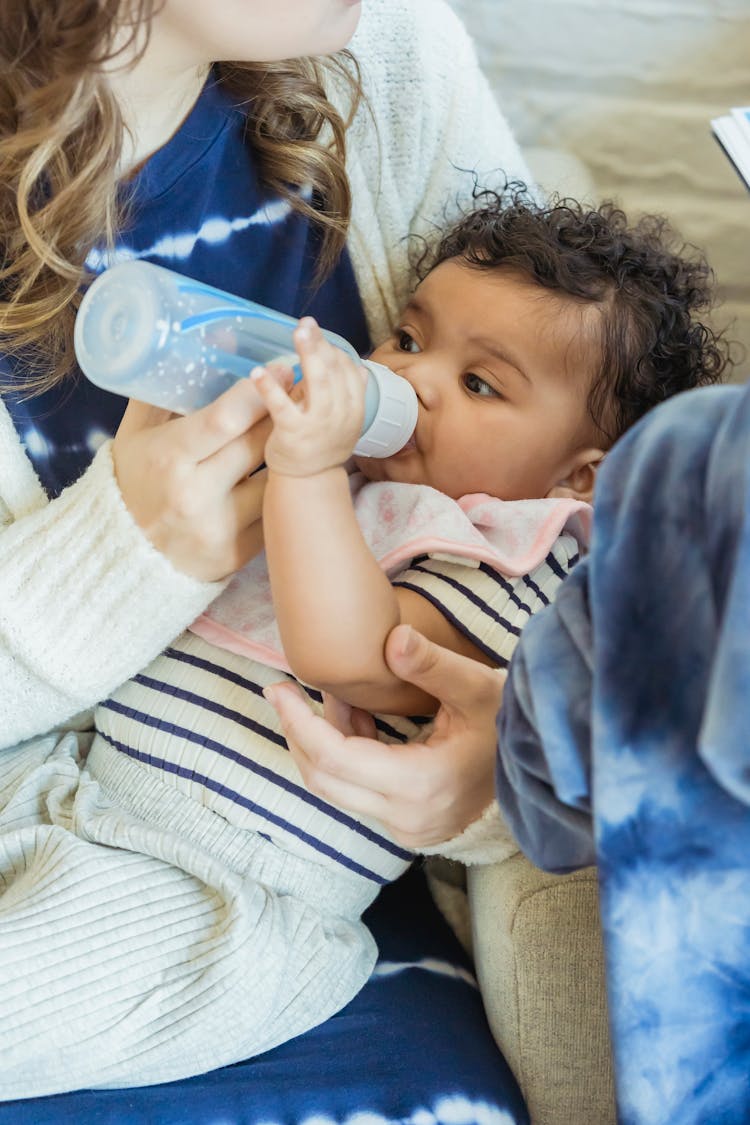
pixel 61 138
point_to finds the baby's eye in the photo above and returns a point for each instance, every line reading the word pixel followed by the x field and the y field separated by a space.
pixel 477 386
pixel 406 343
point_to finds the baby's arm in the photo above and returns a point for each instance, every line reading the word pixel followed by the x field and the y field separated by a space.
pixel 334 605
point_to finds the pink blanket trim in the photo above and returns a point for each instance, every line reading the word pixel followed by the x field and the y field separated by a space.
pixel 400 522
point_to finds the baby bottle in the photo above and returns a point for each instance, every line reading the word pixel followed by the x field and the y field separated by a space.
pixel 151 334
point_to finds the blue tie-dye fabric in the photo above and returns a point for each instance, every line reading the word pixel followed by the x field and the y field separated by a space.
pixel 625 740
pixel 197 207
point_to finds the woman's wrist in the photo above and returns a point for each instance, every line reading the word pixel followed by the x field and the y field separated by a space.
pixel 485 840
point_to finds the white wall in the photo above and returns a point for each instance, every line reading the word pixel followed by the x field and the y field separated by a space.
pixel 629 86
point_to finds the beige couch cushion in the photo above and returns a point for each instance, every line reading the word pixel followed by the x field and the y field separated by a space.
pixel 538 954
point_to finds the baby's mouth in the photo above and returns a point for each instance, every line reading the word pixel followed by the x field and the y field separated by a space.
pixel 410 445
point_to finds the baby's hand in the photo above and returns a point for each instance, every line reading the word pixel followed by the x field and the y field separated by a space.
pixel 320 431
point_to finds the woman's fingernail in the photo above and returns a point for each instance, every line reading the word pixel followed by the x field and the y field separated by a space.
pixel 270 694
pixel 258 373
pixel 408 640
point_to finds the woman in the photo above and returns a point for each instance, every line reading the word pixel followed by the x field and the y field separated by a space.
pixel 123 135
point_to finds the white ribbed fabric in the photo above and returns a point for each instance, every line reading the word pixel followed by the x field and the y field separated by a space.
pixel 163 953
pixel 431 132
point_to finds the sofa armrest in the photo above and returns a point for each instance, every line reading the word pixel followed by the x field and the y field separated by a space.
pixel 538 954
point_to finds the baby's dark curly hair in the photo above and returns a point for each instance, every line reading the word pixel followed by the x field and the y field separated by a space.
pixel 647 285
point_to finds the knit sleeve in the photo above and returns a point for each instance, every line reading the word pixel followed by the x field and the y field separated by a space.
pixel 428 132
pixel 85 601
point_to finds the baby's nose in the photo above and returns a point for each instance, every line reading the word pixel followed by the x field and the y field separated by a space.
pixel 422 374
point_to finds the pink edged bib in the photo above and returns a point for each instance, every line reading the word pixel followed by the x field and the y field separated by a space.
pixel 400 522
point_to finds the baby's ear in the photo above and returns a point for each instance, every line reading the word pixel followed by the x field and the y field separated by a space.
pixel 579 482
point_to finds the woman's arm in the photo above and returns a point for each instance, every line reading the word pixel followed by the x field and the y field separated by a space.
pixel 96 582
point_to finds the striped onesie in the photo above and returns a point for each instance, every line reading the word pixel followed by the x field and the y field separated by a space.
pixel 190 746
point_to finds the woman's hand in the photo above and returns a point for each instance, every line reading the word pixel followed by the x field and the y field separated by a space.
pixel 319 430
pixel 187 484
pixel 424 793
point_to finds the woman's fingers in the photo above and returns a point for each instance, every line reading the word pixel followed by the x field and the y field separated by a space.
pixel 247 499
pixel 231 415
pixel 185 480
pixel 423 792
pixel 347 719
pixel 201 434
pixel 463 686
pixel 245 453
pixel 238 459
pixel 393 784
pixel 398 785
pixel 248 544
pixel 326 755
pixel 338 713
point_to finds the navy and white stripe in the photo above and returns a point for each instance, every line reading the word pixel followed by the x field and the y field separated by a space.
pixel 198 718
pixel 489 608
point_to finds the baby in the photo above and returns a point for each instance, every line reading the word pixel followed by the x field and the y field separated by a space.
pixel 535 338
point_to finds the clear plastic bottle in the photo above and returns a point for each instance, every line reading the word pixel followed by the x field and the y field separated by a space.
pixel 152 334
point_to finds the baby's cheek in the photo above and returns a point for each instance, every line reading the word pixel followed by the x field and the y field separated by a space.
pixel 371 467
pixel 382 353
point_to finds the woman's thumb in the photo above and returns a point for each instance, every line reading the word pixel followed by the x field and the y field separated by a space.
pixel 454 680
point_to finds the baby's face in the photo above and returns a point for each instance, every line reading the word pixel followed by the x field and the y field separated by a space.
pixel 502 369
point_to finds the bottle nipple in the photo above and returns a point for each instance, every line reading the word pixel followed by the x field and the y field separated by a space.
pixel 392 415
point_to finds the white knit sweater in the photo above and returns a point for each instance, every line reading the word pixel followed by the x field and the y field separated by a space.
pixel 85 600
